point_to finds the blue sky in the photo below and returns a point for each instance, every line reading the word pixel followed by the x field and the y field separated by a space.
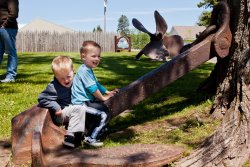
pixel 85 15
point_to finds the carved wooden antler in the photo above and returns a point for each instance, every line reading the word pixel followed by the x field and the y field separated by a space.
pixel 161 45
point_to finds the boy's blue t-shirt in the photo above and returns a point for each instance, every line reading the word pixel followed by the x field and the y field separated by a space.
pixel 84 85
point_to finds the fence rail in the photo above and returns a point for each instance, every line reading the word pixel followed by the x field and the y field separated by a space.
pixel 62 42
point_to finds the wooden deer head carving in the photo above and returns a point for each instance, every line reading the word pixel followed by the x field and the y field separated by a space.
pixel 161 45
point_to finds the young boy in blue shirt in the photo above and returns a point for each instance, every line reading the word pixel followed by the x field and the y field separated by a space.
pixel 86 90
pixel 57 98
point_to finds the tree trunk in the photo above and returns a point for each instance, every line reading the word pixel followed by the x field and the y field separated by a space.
pixel 229 145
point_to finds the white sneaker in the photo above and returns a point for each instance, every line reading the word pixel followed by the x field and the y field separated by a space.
pixel 7 80
pixel 93 142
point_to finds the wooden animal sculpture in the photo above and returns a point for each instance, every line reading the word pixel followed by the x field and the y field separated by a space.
pixel 161 45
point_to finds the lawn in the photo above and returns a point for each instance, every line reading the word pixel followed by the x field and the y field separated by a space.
pixel 166 117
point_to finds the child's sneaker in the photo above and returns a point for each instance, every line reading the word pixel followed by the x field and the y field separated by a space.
pixel 93 142
pixel 69 141
pixel 7 80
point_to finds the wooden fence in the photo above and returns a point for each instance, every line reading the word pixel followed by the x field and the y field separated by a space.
pixel 62 42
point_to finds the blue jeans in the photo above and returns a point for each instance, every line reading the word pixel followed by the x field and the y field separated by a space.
pixel 8 46
pixel 103 120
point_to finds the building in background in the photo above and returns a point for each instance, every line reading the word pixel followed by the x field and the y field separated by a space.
pixel 43 25
pixel 188 33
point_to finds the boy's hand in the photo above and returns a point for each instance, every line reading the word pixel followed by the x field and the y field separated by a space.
pixel 113 92
pixel 108 96
pixel 59 113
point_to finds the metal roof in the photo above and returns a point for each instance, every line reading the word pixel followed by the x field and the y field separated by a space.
pixel 43 25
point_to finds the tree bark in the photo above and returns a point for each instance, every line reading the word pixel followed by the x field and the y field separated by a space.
pixel 229 145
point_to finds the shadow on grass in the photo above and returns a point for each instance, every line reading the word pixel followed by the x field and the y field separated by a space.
pixel 31 59
pixel 34 78
pixel 154 107
pixel 142 113
pixel 122 136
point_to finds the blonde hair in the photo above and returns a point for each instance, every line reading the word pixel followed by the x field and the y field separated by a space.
pixel 61 64
pixel 86 45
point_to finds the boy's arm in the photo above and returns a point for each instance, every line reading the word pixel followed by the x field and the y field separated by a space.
pixel 94 90
pixel 101 93
pixel 102 89
pixel 101 97
pixel 47 99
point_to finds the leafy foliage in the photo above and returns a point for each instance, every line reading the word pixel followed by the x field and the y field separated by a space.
pixel 139 40
pixel 123 25
pixel 207 3
pixel 205 17
pixel 97 29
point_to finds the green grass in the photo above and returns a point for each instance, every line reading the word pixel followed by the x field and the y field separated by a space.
pixel 165 117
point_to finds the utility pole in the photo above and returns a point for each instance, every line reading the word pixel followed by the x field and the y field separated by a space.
pixel 105 6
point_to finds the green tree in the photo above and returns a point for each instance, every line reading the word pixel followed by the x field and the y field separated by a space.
pixel 97 29
pixel 123 25
pixel 139 39
pixel 205 17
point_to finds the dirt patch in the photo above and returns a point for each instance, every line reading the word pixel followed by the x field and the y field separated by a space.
pixel 5 149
